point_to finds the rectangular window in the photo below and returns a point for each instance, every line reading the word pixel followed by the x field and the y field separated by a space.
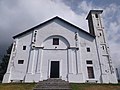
pixel 96 15
pixel 103 47
pixel 88 49
pixel 20 61
pixel 89 62
pixel 55 41
pixel 90 72
pixel 24 47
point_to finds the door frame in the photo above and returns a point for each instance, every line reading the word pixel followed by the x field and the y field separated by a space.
pixel 54 70
pixel 60 67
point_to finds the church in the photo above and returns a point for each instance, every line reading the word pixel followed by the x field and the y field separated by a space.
pixel 59 49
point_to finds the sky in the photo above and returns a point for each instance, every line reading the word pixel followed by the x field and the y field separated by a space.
pixel 19 15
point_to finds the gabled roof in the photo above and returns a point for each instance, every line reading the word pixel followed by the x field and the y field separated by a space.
pixel 40 25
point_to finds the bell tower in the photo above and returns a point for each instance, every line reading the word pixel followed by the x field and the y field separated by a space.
pixel 96 28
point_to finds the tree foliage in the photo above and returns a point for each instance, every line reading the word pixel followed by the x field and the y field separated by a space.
pixel 4 62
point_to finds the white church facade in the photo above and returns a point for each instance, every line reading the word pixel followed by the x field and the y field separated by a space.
pixel 59 49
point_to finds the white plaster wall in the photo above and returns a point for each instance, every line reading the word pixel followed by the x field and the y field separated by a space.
pixel 88 41
pixel 18 71
pixel 54 55
pixel 48 43
pixel 107 76
pixel 55 28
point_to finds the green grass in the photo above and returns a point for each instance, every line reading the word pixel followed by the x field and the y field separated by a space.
pixel 17 86
pixel 30 86
pixel 95 86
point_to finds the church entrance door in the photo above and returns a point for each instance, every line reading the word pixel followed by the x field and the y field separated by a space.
pixel 54 72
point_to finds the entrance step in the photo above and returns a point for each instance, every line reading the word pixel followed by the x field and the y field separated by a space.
pixel 53 84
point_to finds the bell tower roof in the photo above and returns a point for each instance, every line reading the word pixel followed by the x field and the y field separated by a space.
pixel 95 12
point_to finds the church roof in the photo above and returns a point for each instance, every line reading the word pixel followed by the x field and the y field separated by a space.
pixel 40 25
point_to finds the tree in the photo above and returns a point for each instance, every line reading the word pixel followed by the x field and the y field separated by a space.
pixel 4 62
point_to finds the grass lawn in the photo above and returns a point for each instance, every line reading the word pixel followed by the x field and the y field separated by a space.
pixel 30 86
pixel 95 86
pixel 17 86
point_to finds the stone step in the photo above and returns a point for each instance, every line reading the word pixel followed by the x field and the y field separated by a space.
pixel 53 84
pixel 54 89
pixel 54 80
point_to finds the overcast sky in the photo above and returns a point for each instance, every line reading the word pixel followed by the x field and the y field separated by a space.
pixel 19 15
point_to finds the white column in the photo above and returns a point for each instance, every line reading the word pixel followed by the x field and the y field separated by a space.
pixel 70 61
pixel 79 62
pixel 30 61
pixel 39 61
pixel 74 61
pixel 34 61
